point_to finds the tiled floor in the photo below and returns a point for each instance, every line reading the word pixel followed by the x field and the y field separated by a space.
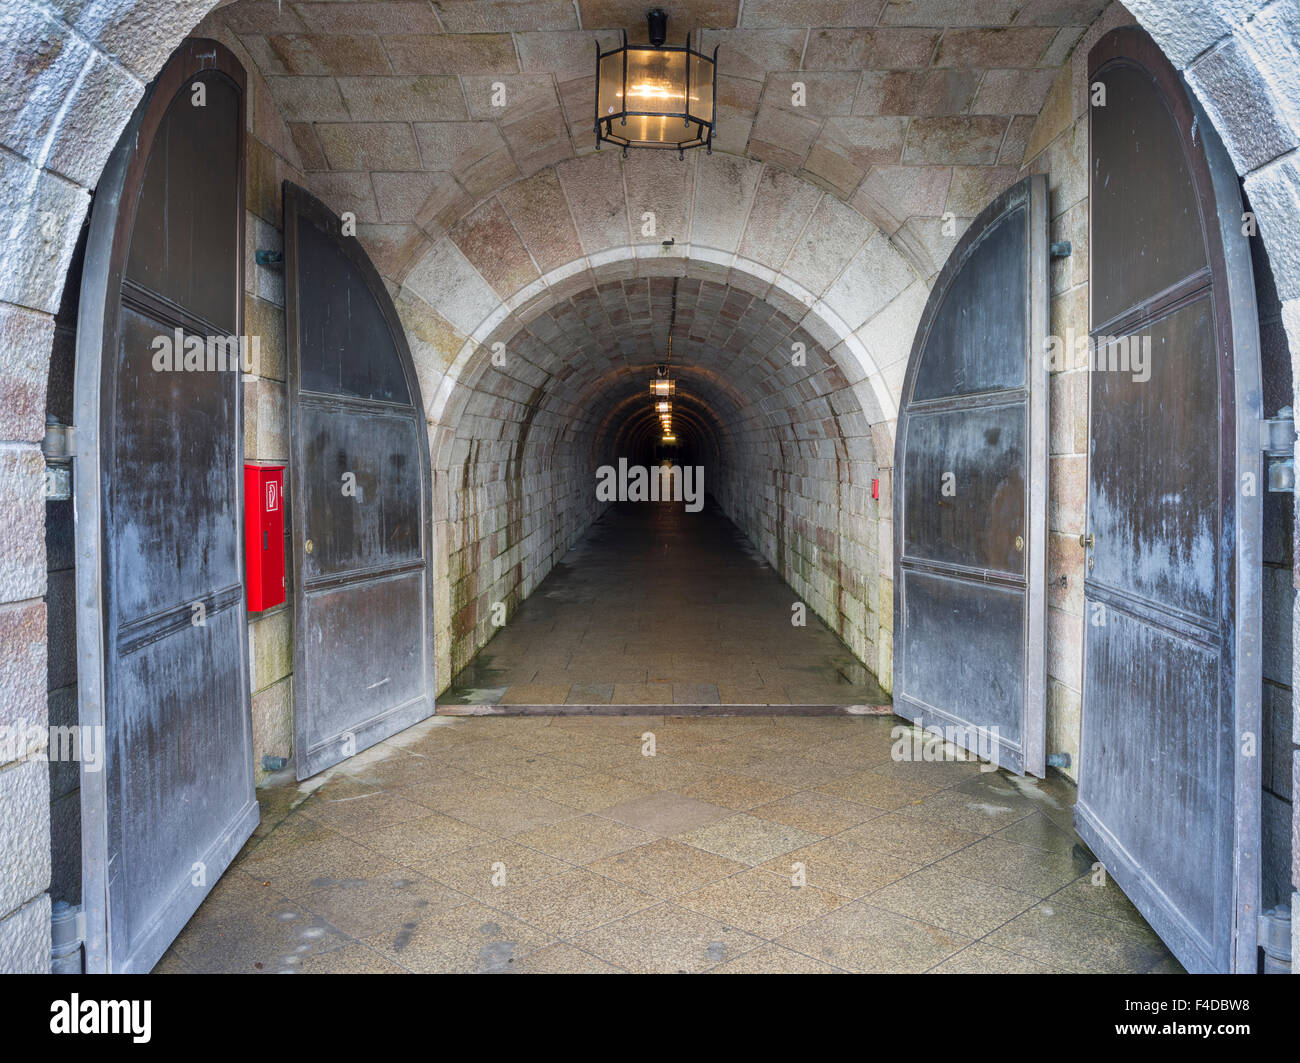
pixel 658 606
pixel 555 844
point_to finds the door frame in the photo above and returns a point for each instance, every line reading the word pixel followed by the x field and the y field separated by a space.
pixel 298 202
pixel 1240 410
pixel 98 336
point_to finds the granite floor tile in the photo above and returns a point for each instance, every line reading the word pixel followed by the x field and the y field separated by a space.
pixel 819 813
pixel 1016 867
pixel 842 867
pixel 773 959
pixel 665 813
pixel 736 791
pixel 952 902
pixel 470 938
pixel 568 904
pixel 665 867
pixel 980 958
pixel 581 840
pixel 417 840
pixel 760 902
pixel 361 907
pixel 869 940
pixel 747 839
pixel 909 838
pixel 481 870
pixel 1056 935
pixel 552 844
pixel 666 939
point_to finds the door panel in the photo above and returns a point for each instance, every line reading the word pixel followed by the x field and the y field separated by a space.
pixel 379 449
pixel 1168 797
pixel 970 502
pixel 360 488
pixel 978 524
pixel 946 611
pixel 161 627
pixel 1126 214
pixel 1154 499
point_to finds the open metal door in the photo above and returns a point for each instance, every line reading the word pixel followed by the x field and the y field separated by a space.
pixel 360 488
pixel 1169 784
pixel 970 493
pixel 162 636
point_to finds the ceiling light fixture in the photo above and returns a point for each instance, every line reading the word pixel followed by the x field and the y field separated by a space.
pixel 656 95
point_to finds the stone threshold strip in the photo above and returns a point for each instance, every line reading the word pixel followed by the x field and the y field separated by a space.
pixel 661 709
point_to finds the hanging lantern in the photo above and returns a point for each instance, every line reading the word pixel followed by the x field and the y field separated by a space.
pixel 656 95
pixel 662 386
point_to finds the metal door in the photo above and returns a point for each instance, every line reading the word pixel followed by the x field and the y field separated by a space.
pixel 970 497
pixel 161 627
pixel 360 487
pixel 1169 783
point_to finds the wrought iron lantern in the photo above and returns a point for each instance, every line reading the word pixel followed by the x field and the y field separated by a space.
pixel 662 386
pixel 656 95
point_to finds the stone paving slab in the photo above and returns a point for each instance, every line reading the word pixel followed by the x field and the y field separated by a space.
pixel 554 844
pixel 661 607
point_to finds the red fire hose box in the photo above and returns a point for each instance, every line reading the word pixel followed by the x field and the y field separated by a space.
pixel 264 535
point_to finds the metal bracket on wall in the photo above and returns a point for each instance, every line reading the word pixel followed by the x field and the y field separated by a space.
pixel 67 932
pixel 270 259
pixel 1061 249
pixel 1275 939
pixel 59 447
pixel 1277 440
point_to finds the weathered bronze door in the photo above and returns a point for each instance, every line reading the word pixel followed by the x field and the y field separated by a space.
pixel 970 494
pixel 162 637
pixel 1169 781
pixel 360 489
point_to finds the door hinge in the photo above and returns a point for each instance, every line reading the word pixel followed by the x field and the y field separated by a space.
pixel 59 447
pixel 1277 441
pixel 1275 939
pixel 67 932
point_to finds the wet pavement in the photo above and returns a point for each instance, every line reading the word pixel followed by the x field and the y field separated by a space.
pixel 780 843
pixel 658 606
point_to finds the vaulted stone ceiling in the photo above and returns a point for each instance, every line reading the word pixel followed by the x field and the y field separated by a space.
pixel 912 107
pixel 731 356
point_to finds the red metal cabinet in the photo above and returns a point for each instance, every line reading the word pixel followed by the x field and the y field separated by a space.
pixel 264 535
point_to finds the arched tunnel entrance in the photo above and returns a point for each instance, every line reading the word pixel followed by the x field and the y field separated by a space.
pixel 772 447
pixel 776 399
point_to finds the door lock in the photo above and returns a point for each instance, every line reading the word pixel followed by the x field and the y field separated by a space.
pixel 307 546
pixel 1086 540
pixel 1020 543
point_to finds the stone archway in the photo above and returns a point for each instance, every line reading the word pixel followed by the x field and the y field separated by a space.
pixel 822 433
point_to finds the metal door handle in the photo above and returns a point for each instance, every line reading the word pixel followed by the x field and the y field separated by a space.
pixel 1086 540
